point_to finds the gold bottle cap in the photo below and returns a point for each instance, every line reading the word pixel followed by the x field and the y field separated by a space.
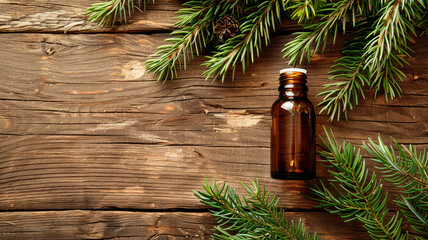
pixel 293 70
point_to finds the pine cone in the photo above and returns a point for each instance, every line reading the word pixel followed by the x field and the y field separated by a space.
pixel 226 27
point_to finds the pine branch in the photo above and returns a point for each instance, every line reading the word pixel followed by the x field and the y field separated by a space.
pixel 384 53
pixel 106 13
pixel 305 10
pixel 194 23
pixel 256 216
pixel 358 191
pixel 331 15
pixel 388 26
pixel 344 95
pixel 408 171
pixel 243 47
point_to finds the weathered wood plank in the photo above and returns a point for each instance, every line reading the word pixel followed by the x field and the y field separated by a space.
pixel 146 225
pixel 59 15
pixel 104 225
pixel 87 127
pixel 97 76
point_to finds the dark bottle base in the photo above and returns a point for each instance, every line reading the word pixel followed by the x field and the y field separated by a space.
pixel 289 176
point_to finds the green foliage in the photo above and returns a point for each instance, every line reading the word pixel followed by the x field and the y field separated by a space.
pixel 107 12
pixel 408 171
pixel 255 29
pixel 374 53
pixel 356 193
pixel 195 24
pixel 307 43
pixel 373 56
pixel 305 10
pixel 342 95
pixel 256 216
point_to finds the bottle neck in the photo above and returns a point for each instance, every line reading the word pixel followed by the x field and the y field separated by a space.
pixel 293 86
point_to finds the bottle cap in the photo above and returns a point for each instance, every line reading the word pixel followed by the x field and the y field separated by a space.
pixel 293 70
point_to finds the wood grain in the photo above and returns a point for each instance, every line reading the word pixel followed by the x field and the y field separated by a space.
pixel 59 16
pixel 78 224
pixel 87 127
pixel 85 131
pixel 91 147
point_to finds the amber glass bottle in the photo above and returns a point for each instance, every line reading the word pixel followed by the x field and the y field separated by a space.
pixel 293 128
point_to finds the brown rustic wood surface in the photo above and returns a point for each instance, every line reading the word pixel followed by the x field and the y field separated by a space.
pixel 91 147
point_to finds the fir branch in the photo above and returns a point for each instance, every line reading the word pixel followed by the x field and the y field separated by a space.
pixel 331 15
pixel 194 23
pixel 243 47
pixel 408 171
pixel 256 216
pixel 384 53
pixel 359 191
pixel 106 13
pixel 344 95
pixel 305 10
pixel 387 30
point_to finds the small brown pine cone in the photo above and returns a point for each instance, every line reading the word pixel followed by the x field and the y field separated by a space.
pixel 226 27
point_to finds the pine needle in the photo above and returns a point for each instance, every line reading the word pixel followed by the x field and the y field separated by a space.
pixel 408 170
pixel 358 193
pixel 373 57
pixel 113 11
pixel 255 216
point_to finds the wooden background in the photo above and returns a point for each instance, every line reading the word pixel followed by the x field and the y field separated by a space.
pixel 91 147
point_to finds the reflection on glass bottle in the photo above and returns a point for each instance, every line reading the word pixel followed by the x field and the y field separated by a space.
pixel 293 128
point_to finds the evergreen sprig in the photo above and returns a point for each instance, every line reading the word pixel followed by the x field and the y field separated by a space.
pixel 357 193
pixel 255 29
pixel 374 55
pixel 256 216
pixel 354 192
pixel 304 11
pixel 409 171
pixel 106 13
pixel 385 27
pixel 385 52
pixel 344 95
pixel 195 24
pixel 317 34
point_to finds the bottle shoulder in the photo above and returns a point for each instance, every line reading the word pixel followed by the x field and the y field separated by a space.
pixel 301 101
pixel 295 105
